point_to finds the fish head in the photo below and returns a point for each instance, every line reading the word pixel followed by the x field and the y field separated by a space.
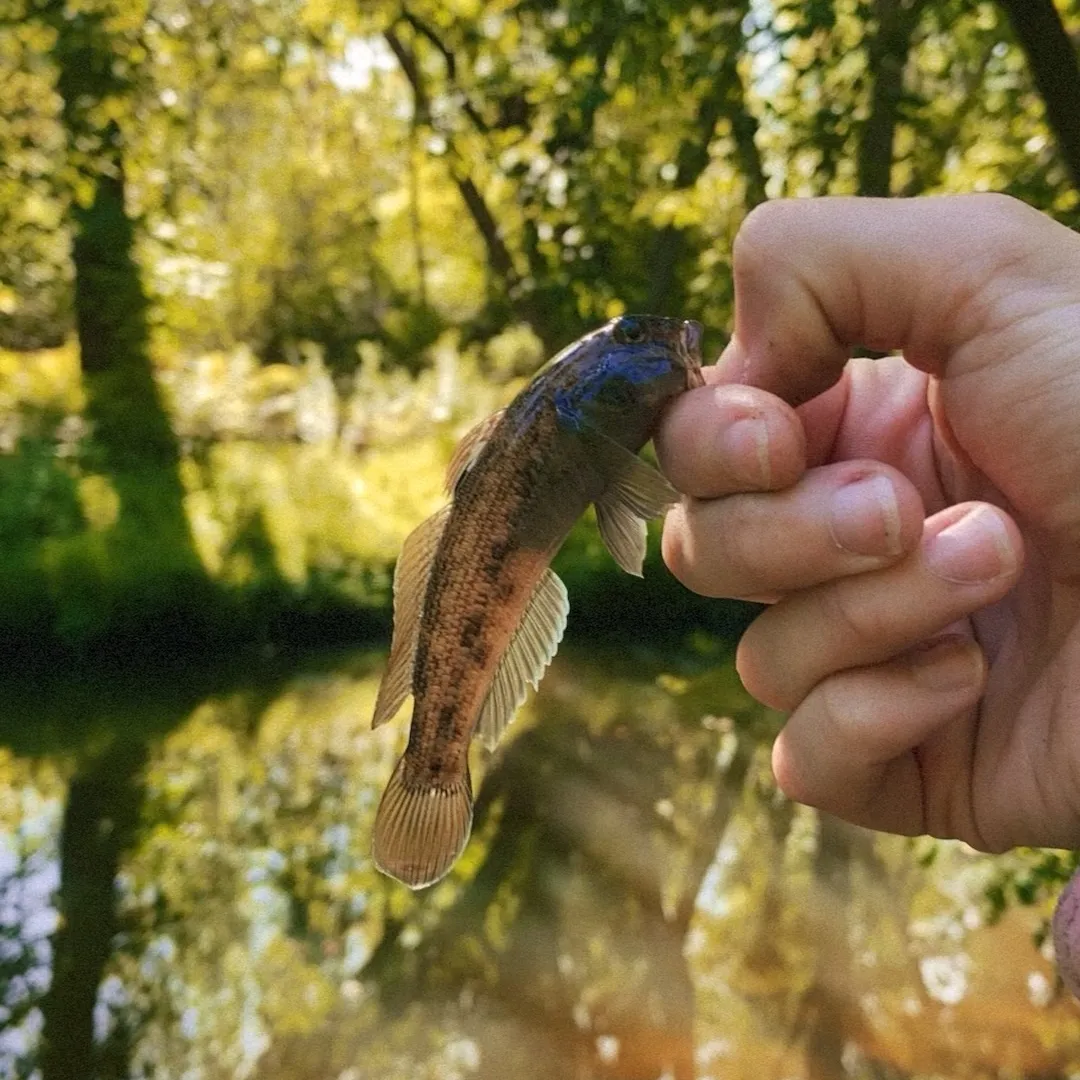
pixel 678 339
pixel 620 377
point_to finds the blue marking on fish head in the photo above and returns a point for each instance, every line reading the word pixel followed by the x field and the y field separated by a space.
pixel 621 376
pixel 568 410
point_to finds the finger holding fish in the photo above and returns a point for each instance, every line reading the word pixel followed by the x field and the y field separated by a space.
pixel 969 556
pixel 722 439
pixel 837 520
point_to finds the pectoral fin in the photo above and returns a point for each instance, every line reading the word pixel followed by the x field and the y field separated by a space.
pixel 420 831
pixel 635 492
pixel 410 584
pixel 530 651
pixel 623 533
pixel 469 449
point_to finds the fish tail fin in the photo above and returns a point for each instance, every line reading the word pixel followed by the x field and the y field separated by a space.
pixel 421 830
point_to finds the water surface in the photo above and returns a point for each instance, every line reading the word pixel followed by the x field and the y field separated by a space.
pixel 186 892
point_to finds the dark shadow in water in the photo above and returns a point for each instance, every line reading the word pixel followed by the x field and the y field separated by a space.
pixel 78 709
pixel 100 818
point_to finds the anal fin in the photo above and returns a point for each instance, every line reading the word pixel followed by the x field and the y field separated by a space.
pixel 421 831
pixel 410 584
pixel 530 651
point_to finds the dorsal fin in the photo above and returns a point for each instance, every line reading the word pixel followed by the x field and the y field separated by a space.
pixel 410 584
pixel 530 651
pixel 469 449
pixel 635 492
pixel 421 830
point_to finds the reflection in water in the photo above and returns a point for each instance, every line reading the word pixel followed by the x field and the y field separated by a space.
pixel 636 901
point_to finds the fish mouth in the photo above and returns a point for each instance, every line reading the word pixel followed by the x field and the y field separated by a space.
pixel 690 341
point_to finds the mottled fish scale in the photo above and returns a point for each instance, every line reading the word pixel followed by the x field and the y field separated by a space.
pixel 481 582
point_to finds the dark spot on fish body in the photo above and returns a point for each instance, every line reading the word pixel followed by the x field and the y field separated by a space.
pixel 444 723
pixel 501 550
pixel 471 629
pixel 529 464
pixel 472 640
pixel 505 590
pixel 420 668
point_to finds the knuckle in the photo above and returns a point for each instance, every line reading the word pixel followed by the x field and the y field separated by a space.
pixel 849 616
pixel 737 543
pixel 764 678
pixel 689 552
pixel 846 709
pixel 708 552
pixel 761 232
pixel 791 780
pixel 673 550
pixel 1011 224
pixel 793 776
pixel 833 705
pixel 1002 208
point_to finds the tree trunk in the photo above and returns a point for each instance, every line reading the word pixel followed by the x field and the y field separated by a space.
pixel 831 1016
pixel 415 218
pixel 1054 65
pixel 133 444
pixel 887 59
pixel 726 98
pixel 110 305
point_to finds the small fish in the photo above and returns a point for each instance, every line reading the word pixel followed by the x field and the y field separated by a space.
pixel 478 613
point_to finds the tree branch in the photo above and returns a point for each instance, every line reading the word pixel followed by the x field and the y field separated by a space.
pixel 744 127
pixel 725 97
pixel 499 257
pixel 574 131
pixel 425 30
pixel 498 253
pixel 411 70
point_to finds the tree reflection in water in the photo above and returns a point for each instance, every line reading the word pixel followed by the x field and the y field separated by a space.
pixel 637 902
pixel 604 816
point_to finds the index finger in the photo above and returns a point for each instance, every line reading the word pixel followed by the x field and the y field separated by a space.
pixel 814 277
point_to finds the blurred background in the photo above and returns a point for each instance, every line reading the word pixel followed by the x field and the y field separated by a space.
pixel 262 262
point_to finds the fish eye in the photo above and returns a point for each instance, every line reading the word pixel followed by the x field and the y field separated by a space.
pixel 629 332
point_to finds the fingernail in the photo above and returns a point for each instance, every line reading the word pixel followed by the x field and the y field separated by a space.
pixel 973 549
pixel 866 518
pixel 746 445
pixel 947 664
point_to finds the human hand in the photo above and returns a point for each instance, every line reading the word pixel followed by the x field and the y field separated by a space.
pixel 915 521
